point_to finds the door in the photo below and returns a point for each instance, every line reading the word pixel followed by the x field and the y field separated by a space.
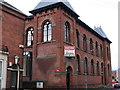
pixel 13 81
pixel 102 78
pixel 69 78
pixel 13 78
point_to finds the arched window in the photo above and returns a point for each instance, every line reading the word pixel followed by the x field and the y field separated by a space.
pixel 84 43
pixel 96 46
pixel 77 38
pixel 78 62
pixel 67 32
pixel 47 31
pixel 97 68
pixel 86 66
pixel 92 67
pixel 29 37
pixel 91 46
pixel 102 67
pixel 101 50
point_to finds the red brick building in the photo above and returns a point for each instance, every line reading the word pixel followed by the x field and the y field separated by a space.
pixel 12 24
pixel 59 50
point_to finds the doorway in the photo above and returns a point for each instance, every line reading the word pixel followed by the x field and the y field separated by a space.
pixel 69 77
pixel 13 79
pixel 102 77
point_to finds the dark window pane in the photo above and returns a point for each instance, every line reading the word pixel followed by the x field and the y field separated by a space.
pixel 13 81
pixel 78 63
pixel 96 45
pixel 77 38
pixel 0 84
pixel 97 68
pixel 27 63
pixel 0 68
pixel 91 46
pixel 101 50
pixel 67 32
pixel 92 67
pixel 84 43
pixel 85 66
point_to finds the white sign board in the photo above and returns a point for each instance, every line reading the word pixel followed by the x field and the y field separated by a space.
pixel 69 51
pixel 39 84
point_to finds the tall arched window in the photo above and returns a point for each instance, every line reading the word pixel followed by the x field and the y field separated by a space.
pixel 77 38
pixel 67 32
pixel 97 68
pixel 47 31
pixel 29 37
pixel 91 46
pixel 101 50
pixel 84 43
pixel 86 66
pixel 78 62
pixel 96 46
pixel 92 67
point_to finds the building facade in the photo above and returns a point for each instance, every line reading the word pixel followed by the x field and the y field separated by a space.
pixel 118 74
pixel 12 24
pixel 3 69
pixel 56 49
pixel 114 76
pixel 51 28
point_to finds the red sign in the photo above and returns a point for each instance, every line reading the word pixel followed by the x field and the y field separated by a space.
pixel 69 51
pixel 57 70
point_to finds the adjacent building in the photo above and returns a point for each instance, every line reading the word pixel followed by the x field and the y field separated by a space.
pixel 56 49
pixel 114 75
pixel 12 24
pixel 118 74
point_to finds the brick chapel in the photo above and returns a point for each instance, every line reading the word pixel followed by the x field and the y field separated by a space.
pixel 55 48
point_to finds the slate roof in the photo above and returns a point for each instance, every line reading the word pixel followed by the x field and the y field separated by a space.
pixel 100 31
pixel 11 7
pixel 45 3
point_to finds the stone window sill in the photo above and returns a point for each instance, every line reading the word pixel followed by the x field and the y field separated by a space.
pixel 46 42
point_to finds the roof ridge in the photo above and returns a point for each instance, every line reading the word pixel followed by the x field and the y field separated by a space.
pixel 100 31
pixel 45 3
pixel 11 6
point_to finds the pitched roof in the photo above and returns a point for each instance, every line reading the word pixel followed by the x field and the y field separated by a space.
pixel 100 31
pixel 11 7
pixel 45 3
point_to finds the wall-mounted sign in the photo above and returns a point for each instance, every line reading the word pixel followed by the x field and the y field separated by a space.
pixel 69 51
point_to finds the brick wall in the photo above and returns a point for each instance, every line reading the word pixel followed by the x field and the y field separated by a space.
pixel 48 56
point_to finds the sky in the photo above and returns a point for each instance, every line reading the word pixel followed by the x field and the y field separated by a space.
pixel 102 13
